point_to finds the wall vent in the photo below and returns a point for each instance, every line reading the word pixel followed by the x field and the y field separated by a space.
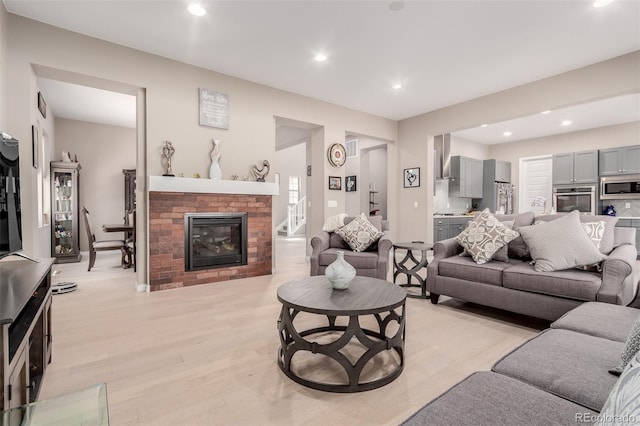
pixel 351 147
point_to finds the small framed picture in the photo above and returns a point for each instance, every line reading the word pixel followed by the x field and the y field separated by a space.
pixel 350 184
pixel 35 146
pixel 412 177
pixel 335 183
pixel 42 105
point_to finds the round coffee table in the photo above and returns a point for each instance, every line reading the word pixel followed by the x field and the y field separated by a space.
pixel 365 296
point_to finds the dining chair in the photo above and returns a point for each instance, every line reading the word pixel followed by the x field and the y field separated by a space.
pixel 95 246
pixel 131 240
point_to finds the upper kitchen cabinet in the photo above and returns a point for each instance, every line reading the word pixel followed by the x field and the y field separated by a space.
pixel 620 161
pixel 575 167
pixel 466 177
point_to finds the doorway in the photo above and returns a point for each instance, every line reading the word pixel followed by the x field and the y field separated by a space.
pixel 535 184
pixel 366 176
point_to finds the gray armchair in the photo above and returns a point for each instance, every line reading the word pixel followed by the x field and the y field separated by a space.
pixel 373 262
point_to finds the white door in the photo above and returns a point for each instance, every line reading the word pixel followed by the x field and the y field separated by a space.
pixel 535 184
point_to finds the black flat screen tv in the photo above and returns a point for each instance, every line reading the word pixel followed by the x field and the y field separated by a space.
pixel 10 208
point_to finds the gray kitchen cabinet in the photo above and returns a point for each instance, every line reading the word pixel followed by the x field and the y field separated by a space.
pixel 502 171
pixel 444 228
pixel 466 177
pixel 619 161
pixel 632 223
pixel 575 167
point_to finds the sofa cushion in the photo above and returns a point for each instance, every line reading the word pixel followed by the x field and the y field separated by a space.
pixel 560 244
pixel 487 398
pixel 607 242
pixel 465 268
pixel 571 283
pixel 613 322
pixel 623 403
pixel 517 248
pixel 357 260
pixel 631 348
pixel 502 254
pixel 484 237
pixel 359 233
pixel 568 364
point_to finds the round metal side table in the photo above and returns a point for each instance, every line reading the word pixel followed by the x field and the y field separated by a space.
pixel 412 269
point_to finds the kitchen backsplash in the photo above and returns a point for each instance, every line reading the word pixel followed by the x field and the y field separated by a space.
pixel 621 210
pixel 442 203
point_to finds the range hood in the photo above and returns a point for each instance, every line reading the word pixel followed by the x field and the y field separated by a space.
pixel 442 146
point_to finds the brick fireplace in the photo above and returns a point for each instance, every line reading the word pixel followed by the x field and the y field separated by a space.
pixel 167 235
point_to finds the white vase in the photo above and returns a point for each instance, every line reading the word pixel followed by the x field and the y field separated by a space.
pixel 340 272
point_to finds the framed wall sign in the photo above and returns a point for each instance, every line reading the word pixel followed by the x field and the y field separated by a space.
pixel 412 177
pixel 335 183
pixel 350 184
pixel 214 109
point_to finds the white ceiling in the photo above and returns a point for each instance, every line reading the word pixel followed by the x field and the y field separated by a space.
pixel 84 103
pixel 606 112
pixel 443 52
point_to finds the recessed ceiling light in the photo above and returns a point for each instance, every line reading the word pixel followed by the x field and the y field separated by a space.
pixel 397 86
pixel 396 5
pixel 602 3
pixel 320 57
pixel 566 123
pixel 546 112
pixel 507 133
pixel 484 125
pixel 196 9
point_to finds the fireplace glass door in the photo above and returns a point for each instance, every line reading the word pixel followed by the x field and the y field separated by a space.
pixel 214 240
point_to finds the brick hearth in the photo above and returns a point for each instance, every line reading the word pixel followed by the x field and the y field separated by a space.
pixel 166 237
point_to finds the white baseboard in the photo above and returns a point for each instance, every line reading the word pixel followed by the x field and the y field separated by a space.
pixel 143 288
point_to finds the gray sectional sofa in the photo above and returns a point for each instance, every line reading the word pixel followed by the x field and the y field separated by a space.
pixel 515 286
pixel 559 377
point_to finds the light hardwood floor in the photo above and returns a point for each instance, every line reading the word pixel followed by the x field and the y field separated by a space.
pixel 206 355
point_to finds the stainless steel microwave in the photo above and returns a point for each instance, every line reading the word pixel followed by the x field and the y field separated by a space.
pixel 622 187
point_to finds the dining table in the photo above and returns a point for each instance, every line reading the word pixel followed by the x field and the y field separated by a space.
pixel 128 233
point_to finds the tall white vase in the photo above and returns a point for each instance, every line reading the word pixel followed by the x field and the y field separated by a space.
pixel 340 273
pixel 215 172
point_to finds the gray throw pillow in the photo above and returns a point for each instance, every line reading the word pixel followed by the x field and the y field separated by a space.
pixel 560 244
pixel 517 248
pixel 630 350
pixel 608 237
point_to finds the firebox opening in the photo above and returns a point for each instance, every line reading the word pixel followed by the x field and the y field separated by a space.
pixel 215 240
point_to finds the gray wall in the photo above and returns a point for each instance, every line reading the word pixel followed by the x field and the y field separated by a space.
pixel 103 151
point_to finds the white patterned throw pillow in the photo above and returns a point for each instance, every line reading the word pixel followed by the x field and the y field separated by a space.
pixel 334 222
pixel 623 404
pixel 485 236
pixel 595 231
pixel 359 233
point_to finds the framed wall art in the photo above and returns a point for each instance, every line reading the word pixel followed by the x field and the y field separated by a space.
pixel 411 177
pixel 42 105
pixel 350 184
pixel 335 183
pixel 35 146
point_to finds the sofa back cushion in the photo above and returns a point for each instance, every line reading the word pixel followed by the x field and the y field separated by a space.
pixel 607 244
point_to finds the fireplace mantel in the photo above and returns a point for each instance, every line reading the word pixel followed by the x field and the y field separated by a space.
pixel 208 186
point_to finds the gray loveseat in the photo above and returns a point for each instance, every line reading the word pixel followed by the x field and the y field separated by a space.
pixel 373 262
pixel 515 286
pixel 559 377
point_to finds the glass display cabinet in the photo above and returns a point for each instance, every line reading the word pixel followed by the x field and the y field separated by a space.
pixel 65 237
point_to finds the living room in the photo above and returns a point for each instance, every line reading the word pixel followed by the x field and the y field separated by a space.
pixel 166 90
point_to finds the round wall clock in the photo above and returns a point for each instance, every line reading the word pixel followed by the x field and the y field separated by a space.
pixel 337 155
